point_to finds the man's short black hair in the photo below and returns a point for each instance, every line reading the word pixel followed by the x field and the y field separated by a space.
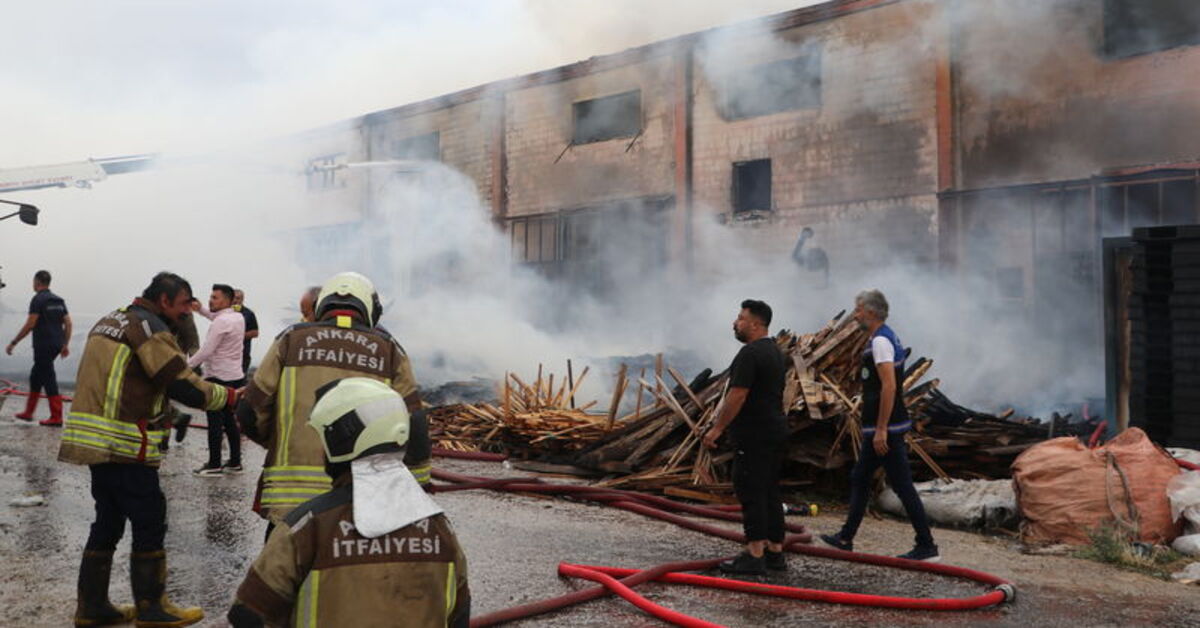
pixel 224 289
pixel 166 284
pixel 42 277
pixel 759 309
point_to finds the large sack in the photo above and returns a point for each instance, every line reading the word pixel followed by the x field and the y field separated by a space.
pixel 1065 490
pixel 960 503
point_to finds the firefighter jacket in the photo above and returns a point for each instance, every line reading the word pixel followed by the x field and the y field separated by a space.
pixel 130 366
pixel 280 398
pixel 317 570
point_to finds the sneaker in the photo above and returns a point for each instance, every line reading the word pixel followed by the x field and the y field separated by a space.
pixel 927 554
pixel 835 541
pixel 209 471
pixel 775 561
pixel 744 564
pixel 232 468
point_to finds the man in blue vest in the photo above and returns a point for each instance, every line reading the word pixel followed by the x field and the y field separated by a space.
pixel 885 421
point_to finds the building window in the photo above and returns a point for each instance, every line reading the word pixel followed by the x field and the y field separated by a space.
pixel 535 239
pixel 771 87
pixel 752 186
pixel 323 172
pixel 607 118
pixel 426 147
pixel 1134 27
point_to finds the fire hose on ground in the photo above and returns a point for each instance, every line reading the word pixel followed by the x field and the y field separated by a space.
pixel 620 581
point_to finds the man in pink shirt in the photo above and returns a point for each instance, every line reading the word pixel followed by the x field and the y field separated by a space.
pixel 220 357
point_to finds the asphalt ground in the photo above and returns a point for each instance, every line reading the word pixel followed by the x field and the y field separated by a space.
pixel 514 544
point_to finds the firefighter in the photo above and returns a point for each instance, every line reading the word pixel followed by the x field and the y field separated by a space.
pixel 345 341
pixel 131 365
pixel 373 551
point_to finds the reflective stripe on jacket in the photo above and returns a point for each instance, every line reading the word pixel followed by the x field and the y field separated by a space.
pixel 302 359
pixel 130 362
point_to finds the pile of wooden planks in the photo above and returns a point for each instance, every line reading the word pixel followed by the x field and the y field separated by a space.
pixel 656 445
pixel 533 419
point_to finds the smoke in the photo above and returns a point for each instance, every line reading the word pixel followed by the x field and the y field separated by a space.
pixel 455 296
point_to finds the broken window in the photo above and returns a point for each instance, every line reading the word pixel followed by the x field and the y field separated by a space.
pixel 1134 27
pixel 771 87
pixel 606 118
pixel 426 147
pixel 322 172
pixel 752 186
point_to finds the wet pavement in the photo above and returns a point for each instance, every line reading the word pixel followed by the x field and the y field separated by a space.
pixel 513 545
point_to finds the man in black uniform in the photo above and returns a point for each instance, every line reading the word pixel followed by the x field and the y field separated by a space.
pixel 753 412
pixel 251 328
pixel 51 326
pixel 885 421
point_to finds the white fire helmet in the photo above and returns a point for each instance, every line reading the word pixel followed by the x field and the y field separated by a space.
pixel 355 414
pixel 350 290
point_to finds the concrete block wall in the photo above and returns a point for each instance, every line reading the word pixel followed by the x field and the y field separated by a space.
pixel 1040 101
pixel 539 126
pixel 466 134
pixel 862 164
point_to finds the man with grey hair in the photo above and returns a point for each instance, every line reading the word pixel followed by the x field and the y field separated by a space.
pixel 885 421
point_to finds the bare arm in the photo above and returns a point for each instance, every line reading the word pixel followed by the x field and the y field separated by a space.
pixel 66 350
pixel 250 335
pixel 30 322
pixel 734 400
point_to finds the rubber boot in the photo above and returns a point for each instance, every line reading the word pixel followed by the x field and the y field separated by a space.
pixel 55 419
pixel 92 607
pixel 148 575
pixel 30 406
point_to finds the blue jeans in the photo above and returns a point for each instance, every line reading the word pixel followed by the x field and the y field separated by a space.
pixel 895 464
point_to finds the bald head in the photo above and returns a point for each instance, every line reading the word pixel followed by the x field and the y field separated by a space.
pixel 308 304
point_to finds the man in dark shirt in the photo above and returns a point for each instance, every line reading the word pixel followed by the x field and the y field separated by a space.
pixel 251 327
pixel 753 412
pixel 51 327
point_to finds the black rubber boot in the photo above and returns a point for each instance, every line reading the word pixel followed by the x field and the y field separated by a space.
pixel 92 607
pixel 148 575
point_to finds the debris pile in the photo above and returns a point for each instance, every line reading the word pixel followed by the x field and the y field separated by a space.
pixel 658 445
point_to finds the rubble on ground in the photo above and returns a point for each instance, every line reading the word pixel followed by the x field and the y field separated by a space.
pixel 657 446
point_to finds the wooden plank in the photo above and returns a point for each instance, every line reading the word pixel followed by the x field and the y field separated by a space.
pixel 618 392
pixel 686 389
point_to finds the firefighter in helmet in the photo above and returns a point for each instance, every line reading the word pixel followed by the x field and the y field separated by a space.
pixel 344 341
pixel 374 550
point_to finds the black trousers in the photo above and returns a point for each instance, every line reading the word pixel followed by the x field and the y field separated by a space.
pixel 127 491
pixel 223 422
pixel 756 466
pixel 42 377
pixel 895 464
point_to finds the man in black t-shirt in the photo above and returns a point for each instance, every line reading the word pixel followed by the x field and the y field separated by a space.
pixel 753 412
pixel 51 327
pixel 251 327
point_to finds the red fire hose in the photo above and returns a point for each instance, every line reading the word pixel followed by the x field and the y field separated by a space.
pixel 8 387
pixel 816 595
pixel 659 507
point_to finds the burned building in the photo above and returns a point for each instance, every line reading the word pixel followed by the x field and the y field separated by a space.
pixel 992 142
